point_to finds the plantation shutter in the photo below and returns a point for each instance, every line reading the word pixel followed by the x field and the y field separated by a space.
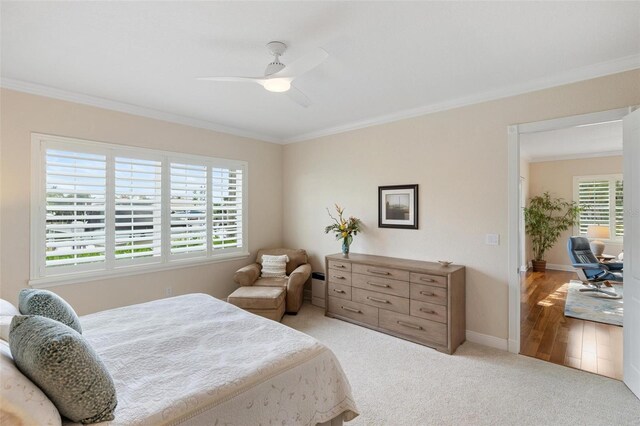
pixel 75 208
pixel 619 231
pixel 138 208
pixel 596 196
pixel 188 209
pixel 226 200
pixel 100 209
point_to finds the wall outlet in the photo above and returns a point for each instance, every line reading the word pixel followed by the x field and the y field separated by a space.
pixel 492 239
pixel 168 292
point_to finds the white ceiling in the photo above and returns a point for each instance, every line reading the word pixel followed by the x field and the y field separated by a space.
pixel 388 60
pixel 596 140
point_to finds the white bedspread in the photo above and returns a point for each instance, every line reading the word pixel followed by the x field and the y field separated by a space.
pixel 197 360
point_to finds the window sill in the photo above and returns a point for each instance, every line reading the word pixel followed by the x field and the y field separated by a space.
pixel 82 277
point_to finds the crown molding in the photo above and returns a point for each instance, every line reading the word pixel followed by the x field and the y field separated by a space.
pixel 575 75
pixel 572 156
pixel 80 98
pixel 572 76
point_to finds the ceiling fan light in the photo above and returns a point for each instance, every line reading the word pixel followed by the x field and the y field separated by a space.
pixel 277 85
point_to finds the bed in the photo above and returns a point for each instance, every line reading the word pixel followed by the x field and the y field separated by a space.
pixel 195 360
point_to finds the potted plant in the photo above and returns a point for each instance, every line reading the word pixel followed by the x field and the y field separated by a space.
pixel 545 219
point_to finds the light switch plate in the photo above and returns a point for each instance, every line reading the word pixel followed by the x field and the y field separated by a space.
pixel 492 239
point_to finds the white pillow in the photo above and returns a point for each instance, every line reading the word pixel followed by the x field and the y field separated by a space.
pixel 23 403
pixel 274 266
pixel 5 322
pixel 7 308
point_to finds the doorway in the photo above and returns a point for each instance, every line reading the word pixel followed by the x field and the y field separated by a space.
pixel 546 291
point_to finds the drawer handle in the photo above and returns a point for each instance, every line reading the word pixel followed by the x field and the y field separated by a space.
pixel 375 299
pixel 428 311
pixel 373 271
pixel 339 291
pixel 427 280
pixel 346 308
pixel 407 324
pixel 339 266
pixel 424 293
pixel 378 285
pixel 340 277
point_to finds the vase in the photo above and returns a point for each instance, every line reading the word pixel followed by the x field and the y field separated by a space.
pixel 346 242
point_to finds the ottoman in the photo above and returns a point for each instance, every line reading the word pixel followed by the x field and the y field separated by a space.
pixel 267 302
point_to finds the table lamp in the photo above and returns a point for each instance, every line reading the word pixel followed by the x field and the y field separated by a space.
pixel 597 232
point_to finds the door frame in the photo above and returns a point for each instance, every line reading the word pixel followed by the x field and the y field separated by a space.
pixel 513 157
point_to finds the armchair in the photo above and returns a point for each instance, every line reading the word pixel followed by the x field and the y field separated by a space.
pixel 298 273
pixel 589 269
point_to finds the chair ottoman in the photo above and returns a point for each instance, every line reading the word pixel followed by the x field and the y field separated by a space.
pixel 268 302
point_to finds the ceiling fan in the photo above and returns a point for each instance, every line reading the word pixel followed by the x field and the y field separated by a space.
pixel 278 76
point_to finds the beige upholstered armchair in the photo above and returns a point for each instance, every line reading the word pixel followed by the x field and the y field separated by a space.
pixel 298 273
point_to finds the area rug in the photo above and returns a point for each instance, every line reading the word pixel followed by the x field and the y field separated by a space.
pixel 588 306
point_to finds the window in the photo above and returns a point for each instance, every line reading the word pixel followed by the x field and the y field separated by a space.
pixel 101 209
pixel 602 198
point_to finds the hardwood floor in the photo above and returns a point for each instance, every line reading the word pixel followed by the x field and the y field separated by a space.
pixel 547 334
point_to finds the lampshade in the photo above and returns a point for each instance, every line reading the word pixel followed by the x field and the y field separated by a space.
pixel 598 231
pixel 277 85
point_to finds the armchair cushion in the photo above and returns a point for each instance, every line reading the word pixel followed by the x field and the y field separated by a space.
pixel 248 275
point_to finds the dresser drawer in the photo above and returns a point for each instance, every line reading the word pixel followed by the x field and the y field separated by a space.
pixel 434 280
pixel 340 266
pixel 340 290
pixel 429 311
pixel 339 277
pixel 427 293
pixel 380 300
pixel 378 271
pixel 417 328
pixel 355 311
pixel 382 285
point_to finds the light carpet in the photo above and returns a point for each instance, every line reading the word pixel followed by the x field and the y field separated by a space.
pixel 396 382
pixel 593 306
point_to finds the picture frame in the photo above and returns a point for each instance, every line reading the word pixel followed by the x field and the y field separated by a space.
pixel 398 206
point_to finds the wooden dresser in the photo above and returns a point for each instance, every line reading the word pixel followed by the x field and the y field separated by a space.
pixel 419 301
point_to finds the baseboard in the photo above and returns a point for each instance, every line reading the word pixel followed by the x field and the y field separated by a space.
pixel 486 340
pixel 556 267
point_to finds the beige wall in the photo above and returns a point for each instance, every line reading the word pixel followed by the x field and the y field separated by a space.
pixel 556 177
pixel 459 159
pixel 22 114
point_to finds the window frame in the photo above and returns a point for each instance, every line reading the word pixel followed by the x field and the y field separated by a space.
pixel 611 178
pixel 42 277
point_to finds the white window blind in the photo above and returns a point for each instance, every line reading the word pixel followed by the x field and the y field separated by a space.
pixel 602 200
pixel 226 207
pixel 138 208
pixel 102 207
pixel 619 227
pixel 188 208
pixel 75 208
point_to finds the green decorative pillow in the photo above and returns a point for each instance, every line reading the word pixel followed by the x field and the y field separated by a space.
pixel 63 364
pixel 48 304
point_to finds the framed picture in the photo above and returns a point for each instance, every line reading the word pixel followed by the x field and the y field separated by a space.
pixel 398 206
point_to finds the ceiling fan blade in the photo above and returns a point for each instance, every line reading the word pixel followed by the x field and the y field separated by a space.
pixel 259 80
pixel 303 65
pixel 298 97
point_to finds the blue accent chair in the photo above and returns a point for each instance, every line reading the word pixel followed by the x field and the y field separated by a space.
pixel 589 269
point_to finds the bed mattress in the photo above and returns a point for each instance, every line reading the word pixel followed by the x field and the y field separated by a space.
pixel 196 360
